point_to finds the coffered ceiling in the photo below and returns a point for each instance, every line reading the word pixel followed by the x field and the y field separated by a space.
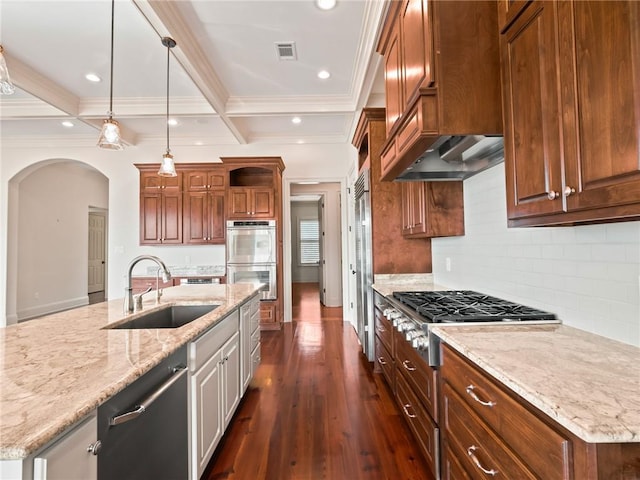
pixel 227 82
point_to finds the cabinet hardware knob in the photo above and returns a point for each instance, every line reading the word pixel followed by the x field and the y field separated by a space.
pixel 569 191
pixel 470 391
pixel 381 361
pixel 551 195
pixel 95 447
pixel 470 452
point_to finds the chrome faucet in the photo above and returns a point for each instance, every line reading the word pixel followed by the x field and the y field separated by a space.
pixel 128 293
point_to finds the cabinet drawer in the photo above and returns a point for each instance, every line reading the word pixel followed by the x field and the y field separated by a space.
pixel 425 431
pixel 384 330
pixel 384 360
pixel 420 376
pixel 255 338
pixel 255 359
pixel 212 340
pixel 516 424
pixel 451 468
pixel 474 444
pixel 387 158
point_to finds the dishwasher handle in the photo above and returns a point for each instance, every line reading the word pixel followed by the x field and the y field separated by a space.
pixel 179 371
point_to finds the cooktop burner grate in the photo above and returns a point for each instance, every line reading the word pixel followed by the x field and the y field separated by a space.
pixel 468 306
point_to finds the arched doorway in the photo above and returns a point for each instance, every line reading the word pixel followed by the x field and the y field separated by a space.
pixel 48 236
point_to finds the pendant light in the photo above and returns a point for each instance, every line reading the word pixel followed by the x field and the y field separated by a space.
pixel 110 133
pixel 6 87
pixel 167 167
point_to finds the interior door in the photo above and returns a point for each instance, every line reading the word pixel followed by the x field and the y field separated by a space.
pixel 321 260
pixel 97 253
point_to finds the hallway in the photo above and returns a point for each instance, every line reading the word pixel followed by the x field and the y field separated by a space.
pixel 314 410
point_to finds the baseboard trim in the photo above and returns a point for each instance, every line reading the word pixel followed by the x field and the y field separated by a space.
pixel 49 308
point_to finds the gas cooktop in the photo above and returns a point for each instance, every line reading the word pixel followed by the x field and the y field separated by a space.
pixel 467 306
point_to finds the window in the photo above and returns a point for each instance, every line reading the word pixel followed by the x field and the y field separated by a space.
pixel 309 241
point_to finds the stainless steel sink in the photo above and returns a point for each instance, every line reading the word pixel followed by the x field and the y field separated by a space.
pixel 171 317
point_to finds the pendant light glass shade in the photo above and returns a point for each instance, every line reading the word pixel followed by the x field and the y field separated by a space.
pixel 110 134
pixel 168 167
pixel 6 87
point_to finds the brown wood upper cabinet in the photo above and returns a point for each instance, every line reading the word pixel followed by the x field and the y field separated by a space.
pixel 204 206
pixel 442 76
pixel 570 75
pixel 160 207
pixel 432 209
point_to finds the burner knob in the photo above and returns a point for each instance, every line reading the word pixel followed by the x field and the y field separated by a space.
pixel 393 314
pixel 411 335
pixel 406 326
pixel 396 321
pixel 420 342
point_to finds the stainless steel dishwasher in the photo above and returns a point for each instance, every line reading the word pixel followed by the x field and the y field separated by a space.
pixel 143 429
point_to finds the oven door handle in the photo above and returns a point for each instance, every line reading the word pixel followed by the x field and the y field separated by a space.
pixel 179 371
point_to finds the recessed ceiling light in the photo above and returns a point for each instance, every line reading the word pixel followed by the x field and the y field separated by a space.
pixel 92 77
pixel 199 143
pixel 173 122
pixel 323 74
pixel 296 120
pixel 67 124
pixel 300 142
pixel 325 4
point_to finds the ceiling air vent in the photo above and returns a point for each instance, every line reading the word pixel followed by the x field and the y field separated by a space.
pixel 286 50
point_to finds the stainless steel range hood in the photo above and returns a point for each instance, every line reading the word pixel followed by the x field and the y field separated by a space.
pixel 455 158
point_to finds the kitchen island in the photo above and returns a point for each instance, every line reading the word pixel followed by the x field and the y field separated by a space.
pixel 573 394
pixel 57 369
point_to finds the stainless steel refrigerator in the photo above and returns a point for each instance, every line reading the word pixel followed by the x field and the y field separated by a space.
pixel 364 268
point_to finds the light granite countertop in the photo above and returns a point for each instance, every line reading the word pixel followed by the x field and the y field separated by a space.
pixel 587 383
pixel 57 369
pixel 411 282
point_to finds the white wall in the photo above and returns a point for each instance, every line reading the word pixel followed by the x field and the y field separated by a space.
pixel 301 211
pixel 587 275
pixel 52 240
pixel 316 162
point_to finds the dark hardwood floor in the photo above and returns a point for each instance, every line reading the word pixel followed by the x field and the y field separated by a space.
pixel 314 409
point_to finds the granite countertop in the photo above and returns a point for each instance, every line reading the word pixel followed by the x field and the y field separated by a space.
pixel 57 369
pixel 587 383
pixel 412 282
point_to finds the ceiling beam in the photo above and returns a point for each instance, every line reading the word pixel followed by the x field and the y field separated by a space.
pixel 167 20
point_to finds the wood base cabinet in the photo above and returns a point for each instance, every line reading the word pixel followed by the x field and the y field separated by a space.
pixel 488 431
pixel 571 116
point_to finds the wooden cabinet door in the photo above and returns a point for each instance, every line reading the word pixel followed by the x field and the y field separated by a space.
pixel 407 216
pixel 150 218
pixel 393 79
pixel 196 216
pixel 533 138
pixel 216 217
pixel 417 48
pixel 508 10
pixel 239 203
pixel 204 217
pixel 171 217
pixel 263 202
pixel 606 56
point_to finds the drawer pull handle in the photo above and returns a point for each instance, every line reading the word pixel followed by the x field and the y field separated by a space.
pixel 381 361
pixel 475 460
pixel 406 411
pixel 407 365
pixel 472 394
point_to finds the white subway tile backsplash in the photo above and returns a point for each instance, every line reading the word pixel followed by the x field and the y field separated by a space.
pixel 587 275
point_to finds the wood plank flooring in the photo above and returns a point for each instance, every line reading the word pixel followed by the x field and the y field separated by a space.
pixel 314 410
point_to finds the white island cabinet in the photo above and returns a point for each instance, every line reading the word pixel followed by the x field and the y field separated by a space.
pixel 214 388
